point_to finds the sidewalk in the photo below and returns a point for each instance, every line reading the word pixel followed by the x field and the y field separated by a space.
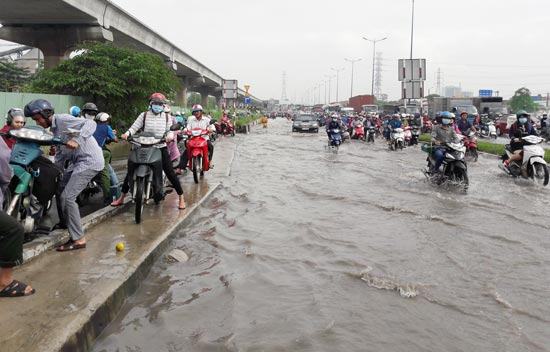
pixel 78 293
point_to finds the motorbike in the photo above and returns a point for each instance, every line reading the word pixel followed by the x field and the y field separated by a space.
pixel 371 133
pixel 335 138
pixel 407 135
pixel 455 169
pixel 144 155
pixel 470 142
pixel 533 166
pixel 35 179
pixel 92 188
pixel 359 131
pixel 488 130
pixel 397 139
pixel 415 135
pixel 197 153
pixel 225 126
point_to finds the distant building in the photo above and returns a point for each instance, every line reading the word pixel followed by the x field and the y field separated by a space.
pixel 467 94
pixel 453 92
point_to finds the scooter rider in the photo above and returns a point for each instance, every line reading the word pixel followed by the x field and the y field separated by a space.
pixel 155 121
pixel 334 124
pixel 442 134
pixel 83 156
pixel 89 111
pixel 464 125
pixel 394 123
pixel 202 122
pixel 521 128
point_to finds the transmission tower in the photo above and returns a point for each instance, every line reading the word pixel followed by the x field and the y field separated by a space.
pixel 438 81
pixel 283 93
pixel 378 76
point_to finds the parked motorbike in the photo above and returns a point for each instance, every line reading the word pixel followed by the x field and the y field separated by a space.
pixel 470 142
pixel 371 133
pixel 397 139
pixel 35 179
pixel 488 130
pixel 533 166
pixel 359 132
pixel 197 153
pixel 455 170
pixel 144 155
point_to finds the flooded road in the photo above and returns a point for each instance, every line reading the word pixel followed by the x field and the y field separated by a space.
pixel 306 250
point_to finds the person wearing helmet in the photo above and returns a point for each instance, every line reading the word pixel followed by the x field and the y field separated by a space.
pixel 89 111
pixel 157 122
pixel 464 125
pixel 521 128
pixel 104 135
pixel 441 135
pixel 334 124
pixel 80 157
pixel 15 119
pixel 75 111
pixel 197 120
pixel 394 123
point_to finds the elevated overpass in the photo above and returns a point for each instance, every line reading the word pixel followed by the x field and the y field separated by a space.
pixel 56 26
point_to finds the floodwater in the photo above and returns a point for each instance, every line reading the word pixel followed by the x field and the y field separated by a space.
pixel 303 249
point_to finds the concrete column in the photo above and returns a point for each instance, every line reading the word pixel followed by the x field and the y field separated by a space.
pixel 55 41
pixel 204 92
pixel 181 97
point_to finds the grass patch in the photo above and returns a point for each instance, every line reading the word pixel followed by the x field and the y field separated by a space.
pixel 485 146
pixel 245 120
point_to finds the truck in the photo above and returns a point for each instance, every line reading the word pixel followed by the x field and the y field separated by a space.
pixel 358 101
pixel 370 109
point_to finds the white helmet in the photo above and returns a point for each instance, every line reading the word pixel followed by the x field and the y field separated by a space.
pixel 102 117
pixel 197 107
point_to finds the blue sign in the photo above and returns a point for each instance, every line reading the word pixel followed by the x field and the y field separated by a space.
pixel 485 93
pixel 248 101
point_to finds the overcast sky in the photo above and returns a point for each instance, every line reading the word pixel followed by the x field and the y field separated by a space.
pixel 494 44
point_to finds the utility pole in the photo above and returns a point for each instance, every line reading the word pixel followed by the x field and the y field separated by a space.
pixel 283 93
pixel 412 29
pixel 378 76
pixel 438 81
pixel 374 41
pixel 338 70
pixel 352 61
pixel 329 87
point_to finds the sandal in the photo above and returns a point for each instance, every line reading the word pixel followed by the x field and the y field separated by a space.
pixel 70 245
pixel 180 207
pixel 16 289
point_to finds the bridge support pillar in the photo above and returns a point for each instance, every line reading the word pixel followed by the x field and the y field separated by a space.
pixel 181 97
pixel 55 41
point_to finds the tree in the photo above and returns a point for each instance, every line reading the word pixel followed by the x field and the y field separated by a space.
pixel 522 100
pixel 12 76
pixel 118 80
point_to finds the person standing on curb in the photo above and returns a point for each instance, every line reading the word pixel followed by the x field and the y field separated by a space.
pixel 11 237
pixel 81 154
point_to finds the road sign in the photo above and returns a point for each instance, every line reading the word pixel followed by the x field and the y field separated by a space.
pixel 485 93
pixel 247 88
pixel 247 101
pixel 412 70
pixel 230 89
pixel 412 90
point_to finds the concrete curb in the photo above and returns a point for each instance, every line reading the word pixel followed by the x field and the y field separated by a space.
pixel 104 308
pixel 44 243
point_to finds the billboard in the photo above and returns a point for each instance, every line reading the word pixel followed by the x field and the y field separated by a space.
pixel 412 70
pixel 485 93
pixel 230 89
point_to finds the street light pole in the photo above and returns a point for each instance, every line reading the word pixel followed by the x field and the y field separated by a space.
pixel 352 61
pixel 374 41
pixel 338 70
pixel 412 29
pixel 329 87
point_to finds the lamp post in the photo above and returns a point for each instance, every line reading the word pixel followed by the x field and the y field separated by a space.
pixel 352 61
pixel 338 70
pixel 412 29
pixel 374 41
pixel 329 87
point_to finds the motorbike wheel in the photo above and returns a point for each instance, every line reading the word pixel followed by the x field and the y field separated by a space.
pixel 139 198
pixel 196 168
pixel 400 144
pixel 540 173
pixel 461 176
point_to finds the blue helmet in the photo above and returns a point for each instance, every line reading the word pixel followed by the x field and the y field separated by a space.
pixel 75 111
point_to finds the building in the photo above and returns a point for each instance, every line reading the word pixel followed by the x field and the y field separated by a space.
pixel 453 92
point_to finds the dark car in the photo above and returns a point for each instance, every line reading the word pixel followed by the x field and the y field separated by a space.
pixel 305 123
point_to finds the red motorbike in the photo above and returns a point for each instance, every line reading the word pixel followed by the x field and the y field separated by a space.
pixel 225 126
pixel 359 131
pixel 197 152
pixel 470 142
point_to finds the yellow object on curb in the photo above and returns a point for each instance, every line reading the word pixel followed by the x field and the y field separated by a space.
pixel 119 246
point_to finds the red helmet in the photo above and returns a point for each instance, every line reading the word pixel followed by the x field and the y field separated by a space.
pixel 157 97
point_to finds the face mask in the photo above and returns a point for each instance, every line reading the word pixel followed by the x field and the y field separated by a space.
pixel 157 109
pixel 523 120
pixel 446 121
